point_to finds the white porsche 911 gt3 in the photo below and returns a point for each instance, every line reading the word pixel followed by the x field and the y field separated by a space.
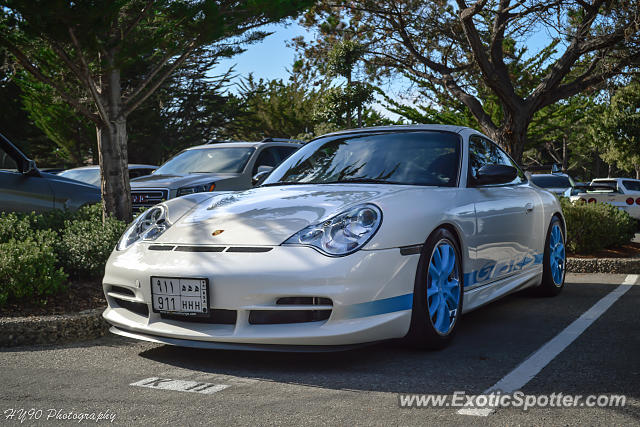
pixel 360 236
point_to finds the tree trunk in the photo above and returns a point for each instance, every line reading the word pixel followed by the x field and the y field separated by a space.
pixel 637 168
pixel 112 149
pixel 565 155
pixel 512 140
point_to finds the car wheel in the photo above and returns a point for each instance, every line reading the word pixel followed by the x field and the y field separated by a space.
pixel 554 262
pixel 438 292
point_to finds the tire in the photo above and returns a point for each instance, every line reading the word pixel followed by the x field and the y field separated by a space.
pixel 554 262
pixel 435 317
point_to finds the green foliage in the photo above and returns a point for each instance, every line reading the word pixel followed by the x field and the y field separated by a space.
pixel 339 103
pixel 343 57
pixel 38 252
pixel 618 128
pixel 594 226
pixel 29 266
pixel 85 246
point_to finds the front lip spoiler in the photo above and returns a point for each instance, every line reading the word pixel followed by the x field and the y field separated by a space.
pixel 236 346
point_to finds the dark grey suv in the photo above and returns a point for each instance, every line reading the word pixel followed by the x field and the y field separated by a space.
pixel 24 188
pixel 212 167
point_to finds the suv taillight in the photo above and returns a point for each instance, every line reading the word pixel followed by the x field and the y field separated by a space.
pixel 592 200
pixel 630 201
pixel 638 201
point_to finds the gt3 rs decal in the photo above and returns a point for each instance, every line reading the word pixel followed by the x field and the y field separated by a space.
pixel 493 270
pixel 381 306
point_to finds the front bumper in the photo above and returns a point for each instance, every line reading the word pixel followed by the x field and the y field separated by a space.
pixel 370 293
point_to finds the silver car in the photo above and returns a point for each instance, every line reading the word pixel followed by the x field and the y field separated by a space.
pixel 24 188
pixel 211 167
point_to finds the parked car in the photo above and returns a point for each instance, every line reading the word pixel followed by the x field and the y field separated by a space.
pixel 623 193
pixel 558 183
pixel 91 174
pixel 359 236
pixel 24 188
pixel 210 167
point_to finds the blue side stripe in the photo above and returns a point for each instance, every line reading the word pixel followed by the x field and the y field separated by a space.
pixel 381 306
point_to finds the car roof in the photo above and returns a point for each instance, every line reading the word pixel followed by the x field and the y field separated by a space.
pixel 615 179
pixel 241 144
pixel 446 128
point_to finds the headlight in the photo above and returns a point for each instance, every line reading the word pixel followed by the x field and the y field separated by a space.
pixel 148 226
pixel 202 188
pixel 342 234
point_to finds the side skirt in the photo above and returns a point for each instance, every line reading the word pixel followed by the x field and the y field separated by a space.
pixel 478 297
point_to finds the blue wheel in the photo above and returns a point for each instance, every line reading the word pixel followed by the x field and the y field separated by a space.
pixel 443 287
pixel 555 260
pixel 557 256
pixel 438 292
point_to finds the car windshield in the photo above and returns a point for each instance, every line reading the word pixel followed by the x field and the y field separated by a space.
pixel 207 160
pixel 88 176
pixel 415 158
pixel 555 181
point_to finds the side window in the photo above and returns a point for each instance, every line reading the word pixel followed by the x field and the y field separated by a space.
pixel 7 162
pixel 484 152
pixel 267 157
pixel 285 152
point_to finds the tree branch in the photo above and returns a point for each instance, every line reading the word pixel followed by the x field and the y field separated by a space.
pixel 132 106
pixel 137 20
pixel 38 74
pixel 89 80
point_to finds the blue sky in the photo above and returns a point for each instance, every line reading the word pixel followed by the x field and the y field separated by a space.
pixel 271 58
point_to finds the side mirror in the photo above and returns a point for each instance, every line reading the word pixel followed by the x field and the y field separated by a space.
pixel 495 174
pixel 30 168
pixel 261 175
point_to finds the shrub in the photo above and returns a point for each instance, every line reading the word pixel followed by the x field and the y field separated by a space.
pixel 86 244
pixel 29 266
pixel 595 226
pixel 38 252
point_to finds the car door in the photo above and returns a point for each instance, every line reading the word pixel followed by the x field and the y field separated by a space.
pixel 21 191
pixel 508 216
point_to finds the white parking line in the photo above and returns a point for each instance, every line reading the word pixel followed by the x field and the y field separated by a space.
pixel 180 385
pixel 528 369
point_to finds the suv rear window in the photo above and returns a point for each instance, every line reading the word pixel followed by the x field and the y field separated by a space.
pixel 631 185
pixel 546 181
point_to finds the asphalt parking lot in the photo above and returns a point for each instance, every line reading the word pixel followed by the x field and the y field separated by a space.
pixel 598 354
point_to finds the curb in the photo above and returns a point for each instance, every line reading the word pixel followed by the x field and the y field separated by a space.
pixel 56 329
pixel 604 265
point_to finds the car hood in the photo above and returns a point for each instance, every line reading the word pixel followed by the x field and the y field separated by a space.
pixel 177 181
pixel 268 215
pixel 68 181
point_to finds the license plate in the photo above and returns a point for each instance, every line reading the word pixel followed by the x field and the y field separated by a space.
pixel 174 295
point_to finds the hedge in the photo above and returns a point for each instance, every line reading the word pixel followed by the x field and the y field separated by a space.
pixel 39 252
pixel 595 226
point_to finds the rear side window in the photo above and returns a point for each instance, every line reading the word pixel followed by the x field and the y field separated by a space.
pixel 483 152
pixel 631 185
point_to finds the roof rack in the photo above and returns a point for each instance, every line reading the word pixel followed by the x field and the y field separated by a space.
pixel 270 139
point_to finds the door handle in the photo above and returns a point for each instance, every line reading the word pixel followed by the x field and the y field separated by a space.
pixel 528 207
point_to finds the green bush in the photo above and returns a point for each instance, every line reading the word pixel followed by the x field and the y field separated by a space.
pixel 38 252
pixel 85 246
pixel 595 226
pixel 29 267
